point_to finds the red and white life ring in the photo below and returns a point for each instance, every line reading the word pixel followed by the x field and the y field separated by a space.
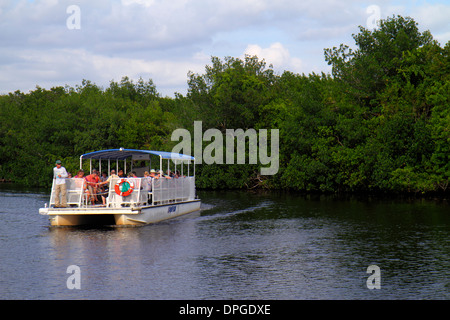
pixel 124 188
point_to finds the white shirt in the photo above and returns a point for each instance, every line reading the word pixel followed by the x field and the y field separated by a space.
pixel 61 171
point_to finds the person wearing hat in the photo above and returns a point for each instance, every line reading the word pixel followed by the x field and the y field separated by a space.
pixel 59 175
pixel 153 174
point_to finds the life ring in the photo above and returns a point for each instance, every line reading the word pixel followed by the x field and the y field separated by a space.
pixel 124 188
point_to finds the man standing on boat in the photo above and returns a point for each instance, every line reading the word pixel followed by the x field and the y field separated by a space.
pixel 60 174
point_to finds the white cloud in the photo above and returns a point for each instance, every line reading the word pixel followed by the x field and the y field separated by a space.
pixel 434 17
pixel 62 67
pixel 277 55
pixel 145 3
pixel 163 40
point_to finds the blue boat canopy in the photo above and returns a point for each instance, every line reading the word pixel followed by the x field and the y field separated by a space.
pixel 122 154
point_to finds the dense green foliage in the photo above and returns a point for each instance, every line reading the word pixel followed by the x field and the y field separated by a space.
pixel 379 123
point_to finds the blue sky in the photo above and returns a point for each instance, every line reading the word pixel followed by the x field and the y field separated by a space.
pixel 47 43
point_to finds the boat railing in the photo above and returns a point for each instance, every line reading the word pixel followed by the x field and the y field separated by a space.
pixel 146 191
pixel 152 191
pixel 136 197
pixel 173 190
pixel 75 189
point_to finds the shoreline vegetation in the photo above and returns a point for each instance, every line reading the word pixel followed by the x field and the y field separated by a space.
pixel 379 124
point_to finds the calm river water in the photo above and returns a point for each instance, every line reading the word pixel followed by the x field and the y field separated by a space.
pixel 239 246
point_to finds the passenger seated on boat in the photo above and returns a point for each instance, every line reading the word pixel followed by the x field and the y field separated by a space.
pixel 170 174
pixel 104 176
pixel 132 174
pixel 107 181
pixel 161 173
pixel 112 176
pixel 121 174
pixel 147 182
pixel 101 187
pixel 81 184
pixel 153 174
pixel 133 178
pixel 92 181
pixel 80 175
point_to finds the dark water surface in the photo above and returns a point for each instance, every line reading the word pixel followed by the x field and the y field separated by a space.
pixel 239 246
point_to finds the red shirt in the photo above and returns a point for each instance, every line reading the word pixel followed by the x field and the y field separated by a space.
pixel 92 178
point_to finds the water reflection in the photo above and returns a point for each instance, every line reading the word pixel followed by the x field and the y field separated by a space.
pixel 122 261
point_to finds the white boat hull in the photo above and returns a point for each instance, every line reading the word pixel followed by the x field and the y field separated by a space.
pixel 126 216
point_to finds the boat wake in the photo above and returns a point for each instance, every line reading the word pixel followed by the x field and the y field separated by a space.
pixel 227 214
